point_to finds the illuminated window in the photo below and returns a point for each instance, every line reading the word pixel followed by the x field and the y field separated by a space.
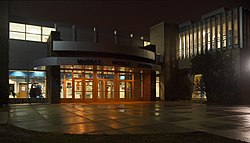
pixel 199 39
pixel 33 29
pixel 219 33
pixel 195 40
pixel 208 35
pixel 146 43
pixel 33 37
pixel 29 32
pixel 17 27
pixel 187 43
pixel 191 42
pixel 45 38
pixel 157 87
pixel 235 28
pixel 46 30
pixel 213 40
pixel 179 52
pixel 17 35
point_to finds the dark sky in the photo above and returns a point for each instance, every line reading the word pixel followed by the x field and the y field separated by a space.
pixel 130 16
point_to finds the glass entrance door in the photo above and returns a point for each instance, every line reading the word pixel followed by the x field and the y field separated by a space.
pixel 78 88
pixel 105 89
pixel 88 88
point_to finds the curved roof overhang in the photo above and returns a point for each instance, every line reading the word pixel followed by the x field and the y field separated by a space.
pixel 56 61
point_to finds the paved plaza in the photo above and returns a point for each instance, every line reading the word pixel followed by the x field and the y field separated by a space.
pixel 133 118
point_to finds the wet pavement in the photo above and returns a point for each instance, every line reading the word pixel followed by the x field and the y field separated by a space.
pixel 134 118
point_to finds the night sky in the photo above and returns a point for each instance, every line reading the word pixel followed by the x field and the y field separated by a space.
pixel 123 15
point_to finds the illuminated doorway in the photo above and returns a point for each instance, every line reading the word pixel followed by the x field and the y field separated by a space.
pixel 199 88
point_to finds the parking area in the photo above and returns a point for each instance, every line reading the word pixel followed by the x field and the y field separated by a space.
pixel 133 118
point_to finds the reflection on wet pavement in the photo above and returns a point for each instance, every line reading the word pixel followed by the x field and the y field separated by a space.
pixel 134 118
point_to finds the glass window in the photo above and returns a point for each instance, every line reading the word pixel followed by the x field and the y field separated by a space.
pixel 122 69
pixel 33 37
pixel 224 31
pixel 101 89
pixel 89 74
pixel 17 35
pixel 157 87
pixel 122 89
pixel 78 89
pixel 187 43
pixel 218 32
pixel 199 39
pixel 88 67
pixel 183 45
pixel 229 26
pixel 146 43
pixel 89 89
pixel 32 32
pixel 128 89
pixel 235 15
pixel 208 34
pixel 25 84
pixel 33 29
pixel 47 30
pixel 191 42
pixel 204 39
pixel 62 84
pixel 195 40
pixel 110 89
pixel 213 33
pixel 45 38
pixel 17 27
pixel 179 52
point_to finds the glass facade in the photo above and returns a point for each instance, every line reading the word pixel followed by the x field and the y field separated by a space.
pixel 100 83
pixel 218 31
pixel 22 83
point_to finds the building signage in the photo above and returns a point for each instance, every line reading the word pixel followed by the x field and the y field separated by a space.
pixel 118 63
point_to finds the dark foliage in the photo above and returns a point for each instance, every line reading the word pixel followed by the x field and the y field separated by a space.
pixel 218 70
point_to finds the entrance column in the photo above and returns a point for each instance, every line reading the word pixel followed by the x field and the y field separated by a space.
pixel 53 84
pixel 53 72
pixel 4 50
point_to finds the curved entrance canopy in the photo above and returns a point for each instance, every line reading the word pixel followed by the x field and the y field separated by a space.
pixel 53 61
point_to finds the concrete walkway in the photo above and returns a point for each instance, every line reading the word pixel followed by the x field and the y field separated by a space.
pixel 134 118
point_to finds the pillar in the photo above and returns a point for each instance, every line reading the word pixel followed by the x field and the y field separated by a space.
pixel 4 50
pixel 165 37
pixel 53 84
